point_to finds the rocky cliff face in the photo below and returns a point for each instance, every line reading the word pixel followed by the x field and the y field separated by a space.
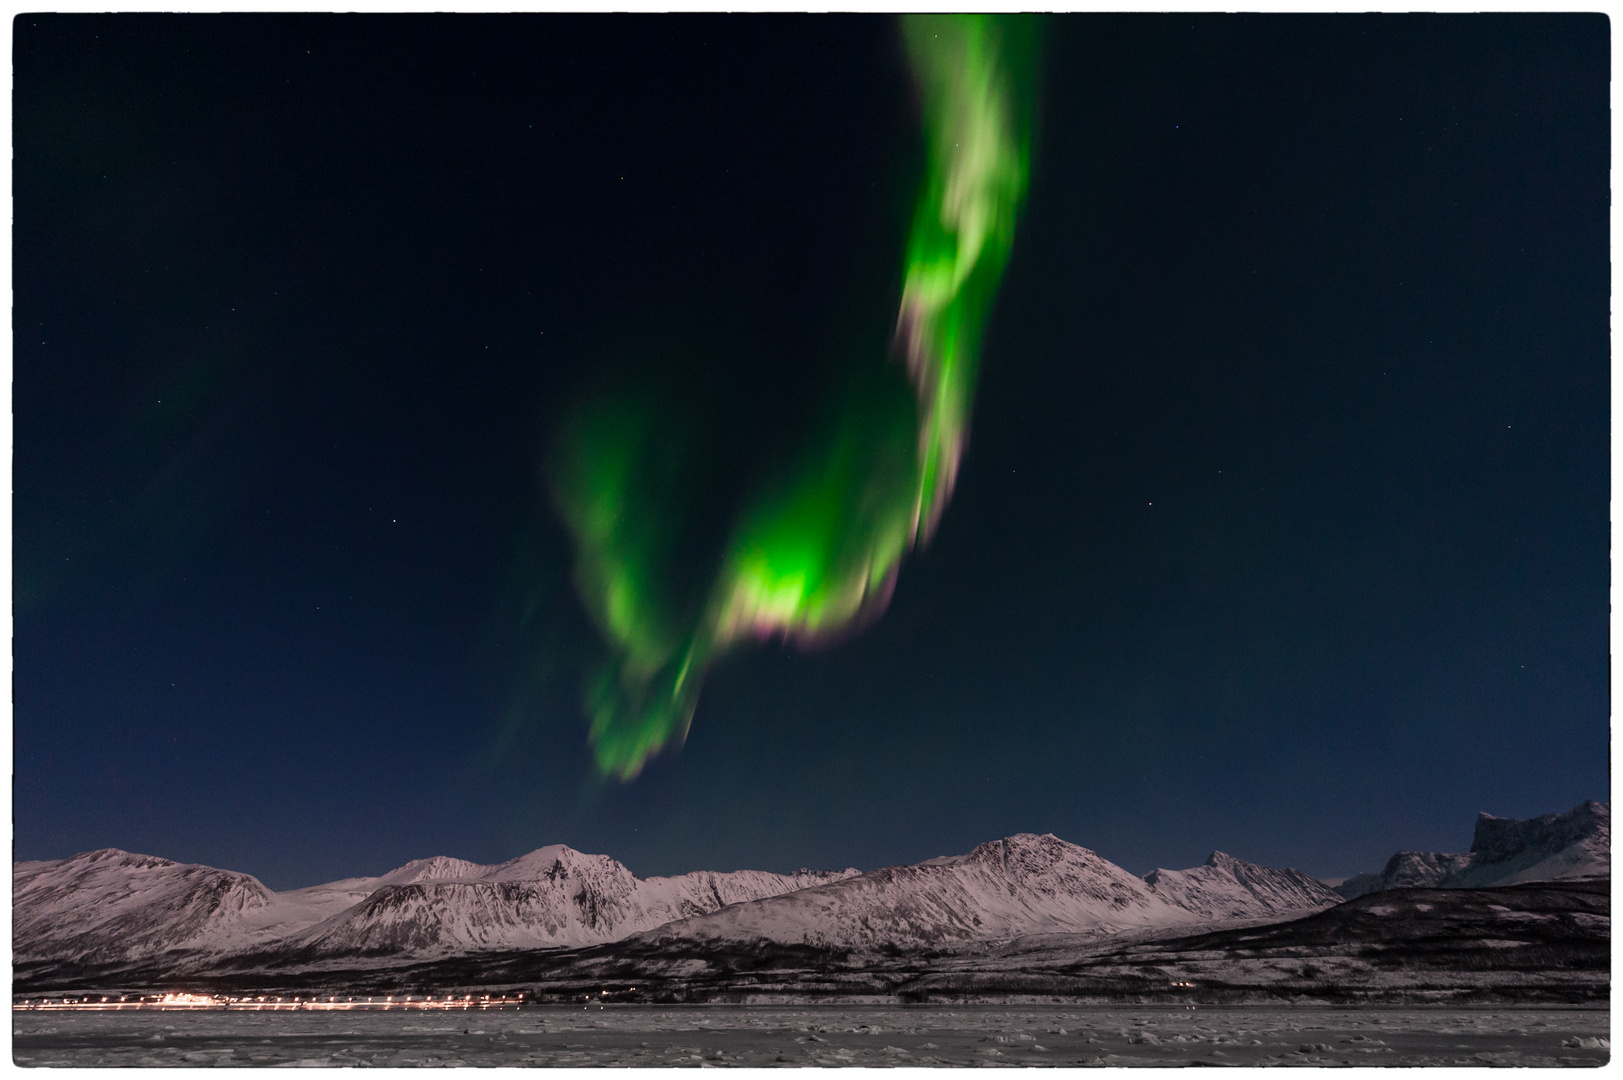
pixel 1577 843
pixel 1505 851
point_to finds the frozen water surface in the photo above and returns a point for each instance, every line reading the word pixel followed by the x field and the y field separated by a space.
pixel 825 1035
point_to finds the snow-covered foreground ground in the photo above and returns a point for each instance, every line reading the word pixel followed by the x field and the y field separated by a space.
pixel 825 1035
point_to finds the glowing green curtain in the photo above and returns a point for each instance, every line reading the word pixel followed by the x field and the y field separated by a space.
pixel 820 548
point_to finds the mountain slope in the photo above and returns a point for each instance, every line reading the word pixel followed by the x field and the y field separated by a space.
pixel 1022 885
pixel 1228 888
pixel 1546 942
pixel 1505 851
pixel 553 897
pixel 110 905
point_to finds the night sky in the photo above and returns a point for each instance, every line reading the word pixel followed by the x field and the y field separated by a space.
pixel 1282 528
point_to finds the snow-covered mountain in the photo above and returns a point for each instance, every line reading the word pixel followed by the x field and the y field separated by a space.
pixel 1228 888
pixel 552 897
pixel 1008 888
pixel 1017 887
pixel 1505 851
pixel 110 907
pixel 107 910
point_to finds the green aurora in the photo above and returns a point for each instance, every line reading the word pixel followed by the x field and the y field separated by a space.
pixel 818 549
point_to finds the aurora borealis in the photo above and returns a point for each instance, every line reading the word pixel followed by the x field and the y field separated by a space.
pixel 820 547
pixel 398 397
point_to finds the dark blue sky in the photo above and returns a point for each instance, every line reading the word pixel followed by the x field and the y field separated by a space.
pixel 1283 527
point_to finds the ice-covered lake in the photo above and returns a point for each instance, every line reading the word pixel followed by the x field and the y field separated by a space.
pixel 828 1035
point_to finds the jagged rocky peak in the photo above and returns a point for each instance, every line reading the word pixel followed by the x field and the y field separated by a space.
pixel 1499 839
pixel 1504 851
pixel 556 862
pixel 1421 869
pixel 1023 848
pixel 1228 888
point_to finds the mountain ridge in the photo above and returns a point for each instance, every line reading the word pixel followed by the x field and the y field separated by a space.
pixel 559 898
pixel 1504 851
pixel 1226 887
pixel 111 910
pixel 111 906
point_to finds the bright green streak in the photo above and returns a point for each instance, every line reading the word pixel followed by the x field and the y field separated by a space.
pixel 976 123
pixel 819 549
